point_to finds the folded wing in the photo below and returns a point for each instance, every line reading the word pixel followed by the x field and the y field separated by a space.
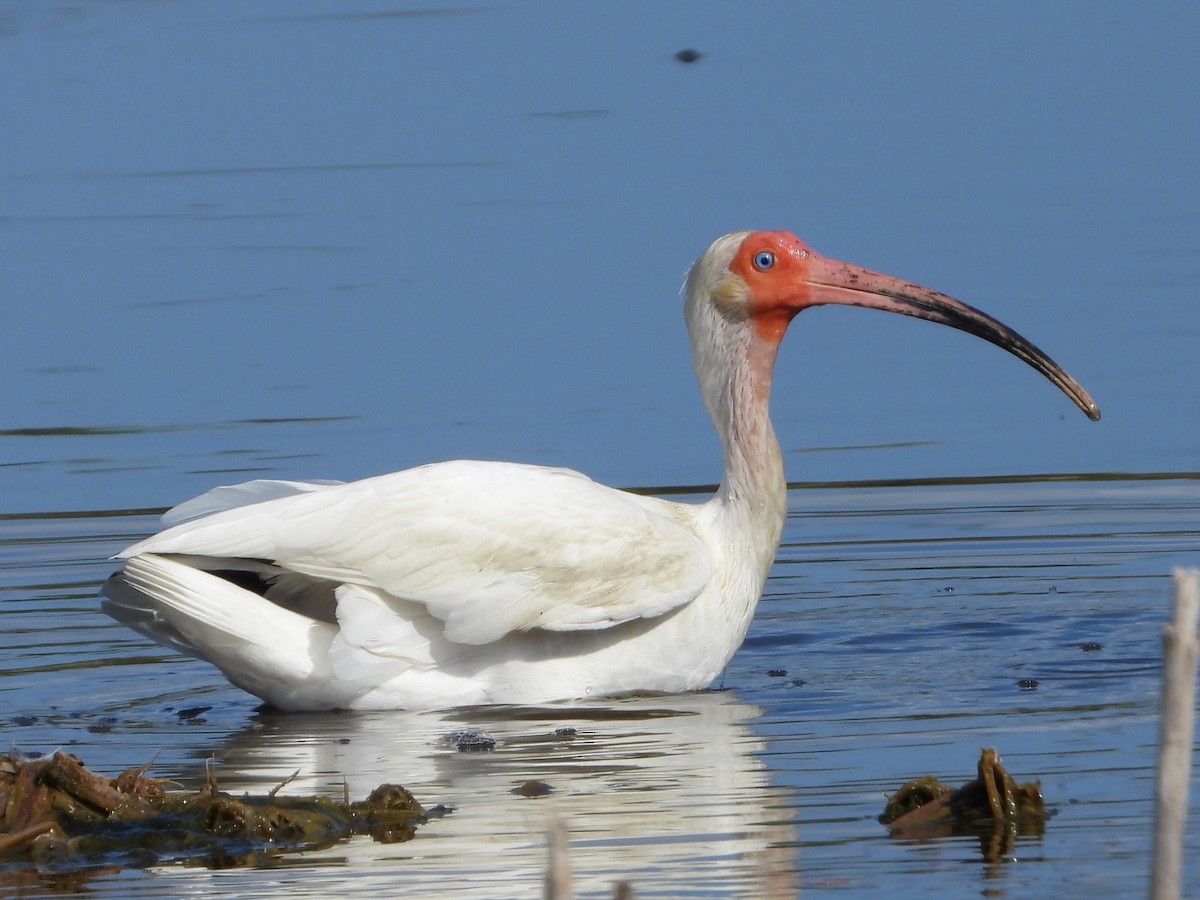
pixel 487 548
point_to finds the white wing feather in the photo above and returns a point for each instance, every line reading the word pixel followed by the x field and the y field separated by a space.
pixel 488 548
pixel 231 496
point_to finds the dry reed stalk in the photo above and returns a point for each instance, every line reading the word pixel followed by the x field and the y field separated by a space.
pixel 1180 650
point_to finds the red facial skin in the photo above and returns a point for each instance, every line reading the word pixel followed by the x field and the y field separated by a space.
pixel 784 276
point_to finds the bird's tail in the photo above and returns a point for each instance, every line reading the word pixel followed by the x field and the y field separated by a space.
pixel 261 647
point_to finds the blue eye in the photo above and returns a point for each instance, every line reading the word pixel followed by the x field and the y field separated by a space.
pixel 763 260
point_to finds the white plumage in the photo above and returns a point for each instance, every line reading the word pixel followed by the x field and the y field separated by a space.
pixel 482 582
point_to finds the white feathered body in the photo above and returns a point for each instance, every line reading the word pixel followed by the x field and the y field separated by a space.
pixel 451 584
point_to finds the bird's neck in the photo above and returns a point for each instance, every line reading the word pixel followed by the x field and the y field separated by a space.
pixel 755 485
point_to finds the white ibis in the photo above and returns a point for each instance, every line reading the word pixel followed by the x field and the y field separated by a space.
pixel 463 583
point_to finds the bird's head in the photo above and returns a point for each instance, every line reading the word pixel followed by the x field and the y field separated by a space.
pixel 744 291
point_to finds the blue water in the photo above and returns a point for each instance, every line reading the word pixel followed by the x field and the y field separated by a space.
pixel 304 239
pixel 437 232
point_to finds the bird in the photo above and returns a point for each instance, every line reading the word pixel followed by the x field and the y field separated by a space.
pixel 468 583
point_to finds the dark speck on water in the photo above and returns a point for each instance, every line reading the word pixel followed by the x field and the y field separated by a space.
pixel 1028 684
pixel 688 55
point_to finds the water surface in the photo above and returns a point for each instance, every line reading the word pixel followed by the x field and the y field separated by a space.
pixel 317 240
pixel 901 630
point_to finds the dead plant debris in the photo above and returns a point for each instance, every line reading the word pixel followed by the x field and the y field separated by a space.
pixel 55 813
pixel 993 807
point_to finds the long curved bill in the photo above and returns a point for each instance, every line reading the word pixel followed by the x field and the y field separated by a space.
pixel 833 282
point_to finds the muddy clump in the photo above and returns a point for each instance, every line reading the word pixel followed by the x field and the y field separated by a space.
pixel 55 813
pixel 993 807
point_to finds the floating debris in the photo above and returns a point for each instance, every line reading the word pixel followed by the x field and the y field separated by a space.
pixel 54 812
pixel 532 789
pixel 473 740
pixel 993 807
